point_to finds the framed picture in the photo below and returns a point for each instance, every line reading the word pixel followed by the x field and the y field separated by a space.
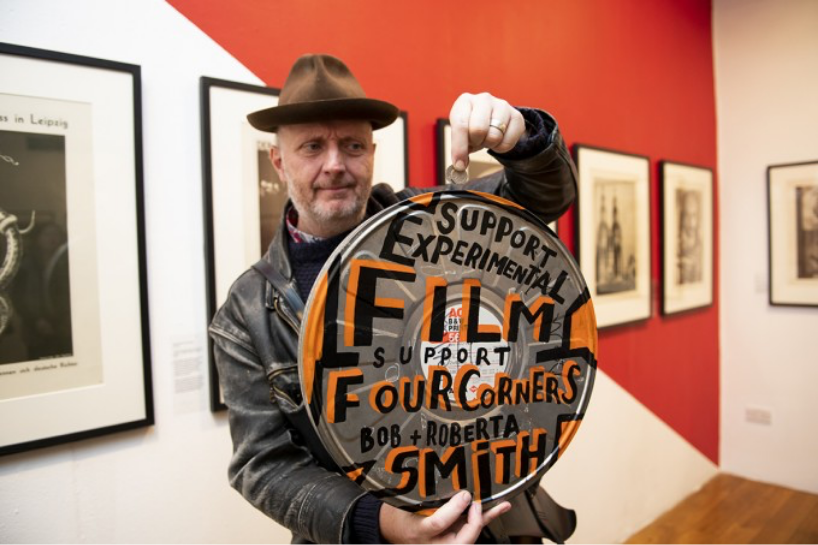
pixel 613 229
pixel 687 237
pixel 792 192
pixel 481 163
pixel 392 154
pixel 243 197
pixel 74 336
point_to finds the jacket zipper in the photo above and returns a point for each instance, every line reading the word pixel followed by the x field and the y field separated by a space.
pixel 277 372
pixel 283 314
pixel 273 375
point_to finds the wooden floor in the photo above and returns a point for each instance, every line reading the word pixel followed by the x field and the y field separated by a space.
pixel 730 509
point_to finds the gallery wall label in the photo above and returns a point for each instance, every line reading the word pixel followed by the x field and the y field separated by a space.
pixel 449 343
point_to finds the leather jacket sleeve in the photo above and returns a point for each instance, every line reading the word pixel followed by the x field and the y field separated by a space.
pixel 545 183
pixel 271 467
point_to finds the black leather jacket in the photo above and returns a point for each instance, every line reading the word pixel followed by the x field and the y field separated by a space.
pixel 278 463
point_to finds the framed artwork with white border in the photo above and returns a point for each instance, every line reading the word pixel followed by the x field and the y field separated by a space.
pixel 792 192
pixel 392 154
pixel 481 163
pixel 613 233
pixel 687 237
pixel 74 332
pixel 243 196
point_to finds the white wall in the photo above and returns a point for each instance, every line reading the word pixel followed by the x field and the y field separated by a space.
pixel 624 468
pixel 167 483
pixel 766 62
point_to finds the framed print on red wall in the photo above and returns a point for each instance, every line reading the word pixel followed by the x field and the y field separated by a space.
pixel 613 229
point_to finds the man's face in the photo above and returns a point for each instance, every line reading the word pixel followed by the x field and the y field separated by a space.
pixel 328 171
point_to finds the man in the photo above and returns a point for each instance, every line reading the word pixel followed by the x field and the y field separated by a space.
pixel 324 155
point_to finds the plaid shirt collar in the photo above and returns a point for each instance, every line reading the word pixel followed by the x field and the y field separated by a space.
pixel 297 235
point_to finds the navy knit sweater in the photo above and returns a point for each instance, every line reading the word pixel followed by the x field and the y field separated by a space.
pixel 307 259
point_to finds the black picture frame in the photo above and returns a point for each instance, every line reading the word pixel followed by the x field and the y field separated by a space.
pixel 792 227
pixel 442 159
pixel 392 153
pixel 85 133
pixel 224 107
pixel 620 296
pixel 686 196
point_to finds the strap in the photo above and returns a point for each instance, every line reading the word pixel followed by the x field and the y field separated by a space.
pixel 272 274
pixel 558 522
pixel 534 515
pixel 498 531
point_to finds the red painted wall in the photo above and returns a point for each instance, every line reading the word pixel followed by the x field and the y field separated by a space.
pixel 630 75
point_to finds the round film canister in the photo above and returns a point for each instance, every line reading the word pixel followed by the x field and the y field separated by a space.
pixel 449 343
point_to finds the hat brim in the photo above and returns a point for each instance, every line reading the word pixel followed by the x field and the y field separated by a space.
pixel 378 112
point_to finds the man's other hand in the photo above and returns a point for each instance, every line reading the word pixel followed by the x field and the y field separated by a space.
pixel 449 524
pixel 483 121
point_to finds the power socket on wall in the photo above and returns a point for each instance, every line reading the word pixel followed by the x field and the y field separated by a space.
pixel 757 415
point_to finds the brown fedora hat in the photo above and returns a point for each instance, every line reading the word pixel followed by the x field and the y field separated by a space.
pixel 322 88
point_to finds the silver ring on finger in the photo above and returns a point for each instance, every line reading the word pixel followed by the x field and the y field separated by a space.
pixel 499 125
